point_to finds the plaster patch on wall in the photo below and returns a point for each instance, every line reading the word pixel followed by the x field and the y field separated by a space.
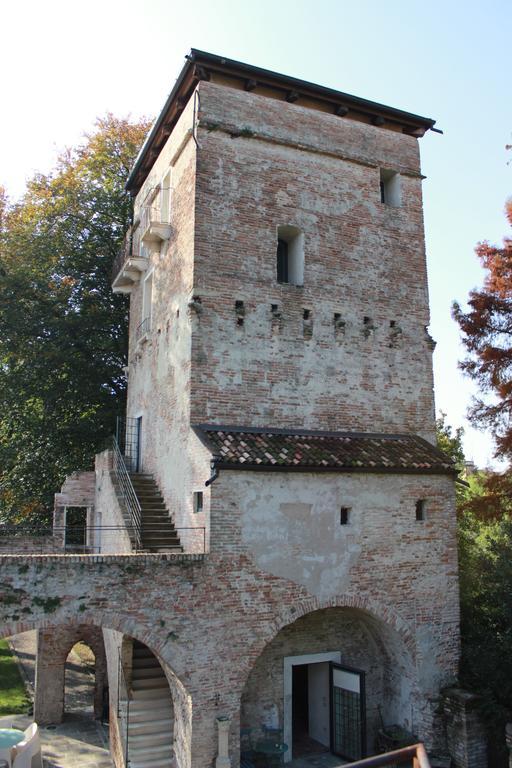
pixel 301 539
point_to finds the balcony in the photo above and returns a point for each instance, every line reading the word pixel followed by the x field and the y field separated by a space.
pixel 128 265
pixel 153 229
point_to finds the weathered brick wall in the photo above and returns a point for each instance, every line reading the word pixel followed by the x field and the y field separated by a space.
pixel 29 544
pixel 53 647
pixel 320 173
pixel 159 368
pixel 77 491
pixel 209 620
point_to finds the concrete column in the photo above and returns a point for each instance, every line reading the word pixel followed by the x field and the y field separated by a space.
pixel 223 760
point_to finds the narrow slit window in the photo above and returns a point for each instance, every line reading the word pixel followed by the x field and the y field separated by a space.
pixel 198 501
pixel 344 515
pixel 420 510
pixel 282 261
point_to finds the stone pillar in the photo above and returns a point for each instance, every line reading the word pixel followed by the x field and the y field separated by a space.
pixel 508 739
pixel 49 683
pixel 223 760
pixel 465 734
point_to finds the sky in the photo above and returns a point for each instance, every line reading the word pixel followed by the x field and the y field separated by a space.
pixel 64 63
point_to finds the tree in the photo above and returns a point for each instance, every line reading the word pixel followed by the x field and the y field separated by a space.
pixel 63 333
pixel 487 329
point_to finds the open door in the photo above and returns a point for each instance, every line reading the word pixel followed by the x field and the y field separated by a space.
pixel 348 712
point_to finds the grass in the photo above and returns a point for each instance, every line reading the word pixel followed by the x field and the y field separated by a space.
pixel 13 696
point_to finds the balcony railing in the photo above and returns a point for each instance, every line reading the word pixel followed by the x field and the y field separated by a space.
pixel 143 328
pixel 129 263
pixel 153 229
pixel 414 756
pixel 92 540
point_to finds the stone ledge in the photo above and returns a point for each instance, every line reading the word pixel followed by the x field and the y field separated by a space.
pixel 106 558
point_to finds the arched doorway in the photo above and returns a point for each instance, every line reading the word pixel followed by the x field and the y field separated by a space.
pixel 79 681
pixel 327 682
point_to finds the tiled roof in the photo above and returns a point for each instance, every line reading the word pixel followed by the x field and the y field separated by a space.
pixel 279 449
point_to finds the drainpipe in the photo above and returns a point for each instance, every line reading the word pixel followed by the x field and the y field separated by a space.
pixel 223 760
pixel 215 471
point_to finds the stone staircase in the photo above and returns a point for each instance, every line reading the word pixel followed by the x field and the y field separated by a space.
pixel 158 531
pixel 150 722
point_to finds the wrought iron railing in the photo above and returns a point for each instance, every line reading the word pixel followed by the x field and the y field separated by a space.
pixel 123 254
pixel 127 493
pixel 15 539
pixel 149 214
pixel 143 328
pixel 130 248
pixel 416 756
pixel 123 706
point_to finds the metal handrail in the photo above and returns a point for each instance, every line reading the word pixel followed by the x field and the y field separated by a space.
pixel 127 492
pixel 143 328
pixel 42 537
pixel 121 679
pixel 416 753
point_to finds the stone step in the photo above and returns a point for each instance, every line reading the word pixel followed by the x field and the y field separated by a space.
pixel 147 747
pixel 150 682
pixel 152 721
pixel 142 662
pixel 147 693
pixel 154 670
pixel 151 763
pixel 150 707
pixel 162 738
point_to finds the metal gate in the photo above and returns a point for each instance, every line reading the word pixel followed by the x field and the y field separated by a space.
pixel 348 711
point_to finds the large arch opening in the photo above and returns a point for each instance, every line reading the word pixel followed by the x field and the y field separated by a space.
pixel 56 702
pixel 328 682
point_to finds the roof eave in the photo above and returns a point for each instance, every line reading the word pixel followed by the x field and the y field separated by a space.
pixel 197 66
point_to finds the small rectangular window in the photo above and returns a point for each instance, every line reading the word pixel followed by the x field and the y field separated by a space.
pixel 290 255
pixel 420 510
pixel 198 501
pixel 344 515
pixel 390 192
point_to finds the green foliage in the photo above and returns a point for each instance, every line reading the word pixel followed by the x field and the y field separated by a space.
pixel 485 551
pixel 487 337
pixel 449 440
pixel 13 696
pixel 63 333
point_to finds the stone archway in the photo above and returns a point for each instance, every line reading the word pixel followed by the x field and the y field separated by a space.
pixel 348 633
pixel 53 647
pixel 57 637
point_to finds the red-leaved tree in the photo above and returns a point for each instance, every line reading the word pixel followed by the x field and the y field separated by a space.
pixel 487 336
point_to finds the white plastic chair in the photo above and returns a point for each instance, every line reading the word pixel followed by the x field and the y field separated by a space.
pixel 27 753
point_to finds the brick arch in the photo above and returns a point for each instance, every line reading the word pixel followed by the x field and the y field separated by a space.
pixel 155 638
pixel 384 615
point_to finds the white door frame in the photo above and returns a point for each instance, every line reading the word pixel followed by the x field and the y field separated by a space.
pixel 289 663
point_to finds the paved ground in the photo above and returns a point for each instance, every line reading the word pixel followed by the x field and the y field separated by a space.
pixel 78 742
